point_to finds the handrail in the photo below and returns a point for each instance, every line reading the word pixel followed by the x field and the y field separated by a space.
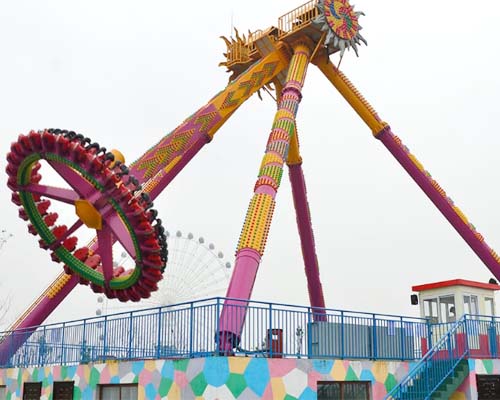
pixel 297 18
pixel 264 304
pixel 188 330
pixel 241 50
pixel 434 367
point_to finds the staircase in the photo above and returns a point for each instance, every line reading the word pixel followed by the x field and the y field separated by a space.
pixel 452 382
pixel 440 372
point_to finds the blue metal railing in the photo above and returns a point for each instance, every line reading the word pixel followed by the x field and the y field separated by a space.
pixel 483 335
pixel 191 330
pixel 437 364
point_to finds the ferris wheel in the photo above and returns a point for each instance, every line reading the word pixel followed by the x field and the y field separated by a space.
pixel 196 269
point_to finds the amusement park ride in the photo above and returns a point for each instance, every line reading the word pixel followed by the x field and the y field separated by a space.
pixel 115 200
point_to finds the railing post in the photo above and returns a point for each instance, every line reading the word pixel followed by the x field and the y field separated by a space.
pixel 43 341
pixel 83 350
pixel 402 339
pixel 492 338
pixel 429 335
pixel 217 327
pixel 270 332
pixel 191 317
pixel 24 352
pixel 309 330
pixel 427 376
pixel 158 347
pixel 466 328
pixel 374 337
pixel 8 363
pixel 450 349
pixel 342 347
pixel 63 350
pixel 495 333
pixel 130 336
pixel 105 336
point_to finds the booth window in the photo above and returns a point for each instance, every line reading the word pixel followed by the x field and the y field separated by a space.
pixel 471 305
pixel 431 310
pixel 489 305
pixel 447 309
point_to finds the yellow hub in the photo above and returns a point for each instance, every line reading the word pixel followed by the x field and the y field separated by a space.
pixel 88 214
pixel 118 157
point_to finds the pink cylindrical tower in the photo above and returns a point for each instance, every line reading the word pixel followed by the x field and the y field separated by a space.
pixel 260 212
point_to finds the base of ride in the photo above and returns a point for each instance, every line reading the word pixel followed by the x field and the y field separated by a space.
pixel 284 353
pixel 115 201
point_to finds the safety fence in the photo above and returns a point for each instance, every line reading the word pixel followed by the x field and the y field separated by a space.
pixel 193 329
pixel 436 370
pixel 481 335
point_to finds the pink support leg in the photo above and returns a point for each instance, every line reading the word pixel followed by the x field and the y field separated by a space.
pixel 440 199
pixel 306 234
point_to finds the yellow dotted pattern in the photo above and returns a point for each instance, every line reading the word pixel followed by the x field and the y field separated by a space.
pixel 57 286
pixel 271 158
pixel 358 94
pixel 353 97
pixel 257 223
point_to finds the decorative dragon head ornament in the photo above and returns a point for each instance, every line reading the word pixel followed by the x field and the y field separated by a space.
pixel 340 22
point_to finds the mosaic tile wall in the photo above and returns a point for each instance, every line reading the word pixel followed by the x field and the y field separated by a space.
pixel 468 389
pixel 222 377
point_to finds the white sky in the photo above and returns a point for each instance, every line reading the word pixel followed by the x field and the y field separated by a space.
pixel 127 72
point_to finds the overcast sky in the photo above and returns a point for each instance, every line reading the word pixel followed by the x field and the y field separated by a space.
pixel 127 72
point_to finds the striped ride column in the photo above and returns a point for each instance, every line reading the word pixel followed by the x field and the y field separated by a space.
pixel 260 212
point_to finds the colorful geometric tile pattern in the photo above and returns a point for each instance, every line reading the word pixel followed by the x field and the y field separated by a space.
pixel 240 378
pixel 210 378
pixel 468 389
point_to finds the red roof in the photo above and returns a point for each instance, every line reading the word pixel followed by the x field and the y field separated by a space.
pixel 455 282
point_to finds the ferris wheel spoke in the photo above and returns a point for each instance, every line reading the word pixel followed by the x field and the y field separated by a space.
pixel 116 226
pixel 195 269
pixel 60 194
pixel 105 242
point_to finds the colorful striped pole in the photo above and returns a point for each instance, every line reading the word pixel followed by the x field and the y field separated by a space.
pixel 260 212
